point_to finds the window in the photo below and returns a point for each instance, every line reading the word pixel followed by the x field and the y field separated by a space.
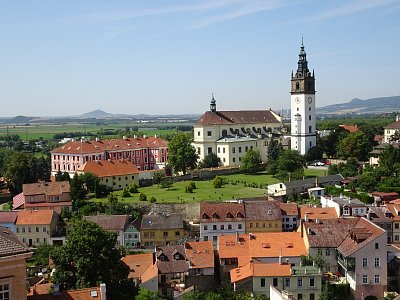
pixel 205 227
pixel 262 283
pixel 208 133
pixel 233 150
pixel 299 296
pixel 37 240
pixel 29 229
pixel 327 252
pixel 251 225
pixel 214 227
pixel 377 279
pixel 309 118
pixel 275 281
pixel 5 291
pixel 309 129
pixel 299 281
pixel 219 150
pixel 396 225
pixel 177 233
pixel 312 281
pixel 215 238
pixel 312 296
pixel 17 229
pixel 246 148
pixel 365 279
pixel 233 159
pixel 223 150
pixel 44 240
pixel 287 281
pixel 240 149
pixel 23 229
pixel 229 226
pixel 198 133
pixel 319 252
pixel 365 262
pixel 209 150
pixel 376 245
pixel 377 262
pixel 222 227
pixel 205 238
pixel 239 226
pixel 396 237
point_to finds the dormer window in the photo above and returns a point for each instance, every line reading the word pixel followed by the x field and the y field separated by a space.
pixel 239 215
pixel 215 216
pixel 229 215
pixel 205 216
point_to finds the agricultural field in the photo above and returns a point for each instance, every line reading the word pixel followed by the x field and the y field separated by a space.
pixel 36 131
pixel 240 186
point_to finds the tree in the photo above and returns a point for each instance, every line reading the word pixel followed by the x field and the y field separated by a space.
pixel 89 257
pixel 290 163
pixel 211 160
pixel 157 178
pixel 389 158
pixel 395 138
pixel 251 161
pixel 274 150
pixel 145 294
pixel 167 183
pixel 355 144
pixel 78 190
pixel 218 182
pixel 181 153
pixel 62 176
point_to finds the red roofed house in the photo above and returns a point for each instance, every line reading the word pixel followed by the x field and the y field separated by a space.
pixel 147 153
pixel 115 174
pixel 93 293
pixel 349 128
pixel 46 195
pixel 230 134
pixel 143 270
pixel 390 130
pixel 13 255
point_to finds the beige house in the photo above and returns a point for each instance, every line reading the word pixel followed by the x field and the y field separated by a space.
pixel 13 257
pixel 35 227
pixel 115 174
pixel 390 130
pixel 230 134
pixel 47 195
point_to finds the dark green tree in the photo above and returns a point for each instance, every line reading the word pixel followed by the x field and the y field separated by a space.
pixel 89 257
pixel 167 183
pixel 62 176
pixel 356 145
pixel 274 150
pixel 157 178
pixel 251 161
pixel 389 158
pixel 145 294
pixel 181 153
pixel 290 162
pixel 211 160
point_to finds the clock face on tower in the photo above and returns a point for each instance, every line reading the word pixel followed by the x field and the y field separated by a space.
pixel 297 100
pixel 309 100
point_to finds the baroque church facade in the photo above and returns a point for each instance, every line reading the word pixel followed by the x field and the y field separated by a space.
pixel 230 134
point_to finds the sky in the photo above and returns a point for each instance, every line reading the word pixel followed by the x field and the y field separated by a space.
pixel 70 57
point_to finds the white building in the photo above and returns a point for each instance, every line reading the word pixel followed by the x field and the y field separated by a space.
pixel 218 219
pixel 303 129
pixel 345 206
pixel 230 134
pixel 390 130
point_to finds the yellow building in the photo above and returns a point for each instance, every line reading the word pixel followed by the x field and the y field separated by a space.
pixel 13 257
pixel 263 216
pixel 161 230
pixel 115 174
pixel 35 227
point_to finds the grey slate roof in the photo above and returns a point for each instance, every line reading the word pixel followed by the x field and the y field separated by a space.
pixel 262 210
pixel 109 222
pixel 9 243
pixel 172 259
pixel 310 182
pixel 170 221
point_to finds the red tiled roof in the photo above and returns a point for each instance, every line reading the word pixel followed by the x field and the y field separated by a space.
pixel 262 210
pixel 394 125
pixel 138 264
pixel 46 188
pixel 289 208
pixel 258 269
pixel 48 204
pixel 109 222
pixel 378 138
pixel 82 294
pixel 168 263
pixel 8 216
pixel 91 147
pixel 321 213
pixel 9 243
pixel 28 217
pixel 237 117
pixel 200 254
pixel 18 200
pixel 349 128
pixel 395 210
pixel 223 212
pixel 106 168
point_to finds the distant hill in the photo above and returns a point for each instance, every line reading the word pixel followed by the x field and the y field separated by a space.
pixel 98 113
pixel 360 106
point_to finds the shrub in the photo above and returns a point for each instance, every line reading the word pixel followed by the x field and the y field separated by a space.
pixel 217 182
pixel 142 197
pixel 133 188
pixel 125 193
pixel 152 200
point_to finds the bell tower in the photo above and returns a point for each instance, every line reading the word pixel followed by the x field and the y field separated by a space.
pixel 303 131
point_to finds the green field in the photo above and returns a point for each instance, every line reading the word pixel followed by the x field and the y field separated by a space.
pixel 206 191
pixel 30 132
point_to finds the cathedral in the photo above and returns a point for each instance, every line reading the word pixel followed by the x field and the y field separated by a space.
pixel 230 134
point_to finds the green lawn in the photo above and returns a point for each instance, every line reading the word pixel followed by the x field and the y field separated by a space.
pixel 206 191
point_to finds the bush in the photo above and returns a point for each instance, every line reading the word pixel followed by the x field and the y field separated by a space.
pixel 218 182
pixel 125 193
pixel 142 197
pixel 192 184
pixel 133 188
pixel 153 200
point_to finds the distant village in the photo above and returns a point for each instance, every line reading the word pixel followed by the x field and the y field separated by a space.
pixel 307 238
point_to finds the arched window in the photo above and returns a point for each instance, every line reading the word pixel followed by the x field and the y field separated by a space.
pixel 297 85
pixel 224 133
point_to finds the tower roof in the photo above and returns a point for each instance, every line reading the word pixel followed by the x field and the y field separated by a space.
pixel 302 67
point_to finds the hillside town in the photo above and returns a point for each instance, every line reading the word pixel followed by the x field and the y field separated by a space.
pixel 68 230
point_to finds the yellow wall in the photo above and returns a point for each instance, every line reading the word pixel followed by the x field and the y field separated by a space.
pixel 26 232
pixel 119 182
pixel 13 272
pixel 158 239
pixel 263 226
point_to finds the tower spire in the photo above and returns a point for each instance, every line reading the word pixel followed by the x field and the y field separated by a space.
pixel 213 104
pixel 302 67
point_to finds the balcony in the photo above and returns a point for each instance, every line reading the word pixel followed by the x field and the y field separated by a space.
pixel 347 263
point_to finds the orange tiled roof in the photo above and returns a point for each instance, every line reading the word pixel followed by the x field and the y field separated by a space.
pixel 46 188
pixel 150 273
pixel 394 125
pixel 321 213
pixel 223 211
pixel 138 264
pixel 92 147
pixel 82 294
pixel 395 210
pixel 349 128
pixel 237 117
pixel 261 244
pixel 106 168
pixel 200 254
pixel 258 269
pixel 35 217
pixel 289 208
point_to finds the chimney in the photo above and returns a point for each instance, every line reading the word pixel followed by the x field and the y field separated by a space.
pixel 397 118
pixel 103 291
pixel 305 218
pixel 280 257
pixel 237 237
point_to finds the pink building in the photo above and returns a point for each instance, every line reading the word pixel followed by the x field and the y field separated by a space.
pixel 147 153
